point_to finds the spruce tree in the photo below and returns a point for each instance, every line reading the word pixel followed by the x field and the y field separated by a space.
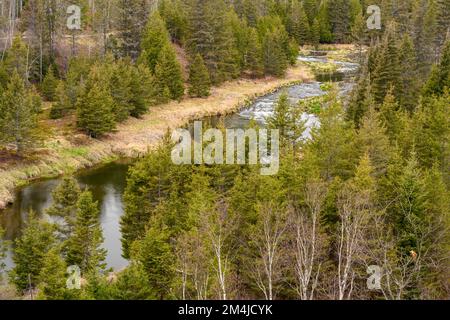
pixel 29 251
pixel 253 55
pixel 440 75
pixel 198 78
pixel 408 88
pixel 142 89
pixel 315 33
pixel 155 254
pixel 120 88
pixel 168 74
pixel 62 102
pixel 274 57
pixel 65 197
pixel 154 38
pixel 49 85
pixel 387 69
pixel 17 117
pixel 84 246
pixel 132 284
pixel 132 16
pixel 52 278
pixel 95 110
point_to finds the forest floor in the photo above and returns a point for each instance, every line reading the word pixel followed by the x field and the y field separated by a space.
pixel 65 150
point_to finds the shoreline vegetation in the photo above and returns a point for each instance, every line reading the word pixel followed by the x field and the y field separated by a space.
pixel 67 152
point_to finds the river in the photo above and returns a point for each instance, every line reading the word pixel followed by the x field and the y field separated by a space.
pixel 108 182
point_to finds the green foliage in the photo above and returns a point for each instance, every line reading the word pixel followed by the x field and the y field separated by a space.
pixel 84 246
pixel 95 108
pixel 440 75
pixel 17 114
pixel 131 284
pixel 53 277
pixel 168 76
pixel 62 102
pixel 198 78
pixel 30 250
pixel 49 85
pixel 155 37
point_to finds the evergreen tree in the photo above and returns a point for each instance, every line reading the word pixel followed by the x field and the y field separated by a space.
pixel 253 55
pixel 132 284
pixel 155 254
pixel 142 90
pixel 274 57
pixel 211 36
pixel 408 88
pixel 168 75
pixel 16 59
pixel 155 37
pixel 17 117
pixel 299 25
pixel 132 16
pixel 315 33
pixel 120 88
pixel 49 85
pixel 440 76
pixel 29 252
pixel 198 78
pixel 62 102
pixel 52 278
pixel 94 110
pixel 65 197
pixel 387 69
pixel 84 246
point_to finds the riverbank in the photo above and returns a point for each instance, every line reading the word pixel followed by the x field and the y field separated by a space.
pixel 65 151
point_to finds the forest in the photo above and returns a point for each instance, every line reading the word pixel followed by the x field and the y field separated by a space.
pixel 370 187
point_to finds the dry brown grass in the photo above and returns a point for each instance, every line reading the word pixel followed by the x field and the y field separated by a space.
pixel 66 151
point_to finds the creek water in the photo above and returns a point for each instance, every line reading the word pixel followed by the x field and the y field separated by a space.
pixel 108 182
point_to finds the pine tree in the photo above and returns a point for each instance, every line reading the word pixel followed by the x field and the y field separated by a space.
pixel 62 102
pixel 299 25
pixel 315 33
pixel 143 91
pixel 274 57
pixel 168 74
pixel 65 197
pixel 132 284
pixel 52 278
pixel 373 140
pixel 17 117
pixel 29 252
pixel 130 24
pixel 361 99
pixel 49 85
pixel 408 88
pixel 387 69
pixel 84 247
pixel 198 78
pixel 440 76
pixel 120 88
pixel 326 35
pixel 155 254
pixel 155 37
pixel 253 56
pixel 94 110
pixel 211 35
pixel 16 59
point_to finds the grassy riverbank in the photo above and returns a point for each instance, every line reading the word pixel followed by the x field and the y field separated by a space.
pixel 66 150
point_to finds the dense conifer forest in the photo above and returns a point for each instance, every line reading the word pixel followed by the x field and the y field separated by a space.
pixel 370 187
